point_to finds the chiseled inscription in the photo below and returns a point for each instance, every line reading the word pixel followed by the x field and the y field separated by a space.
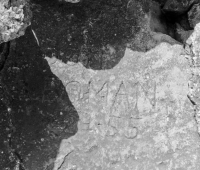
pixel 120 105
pixel 74 90
pixel 103 92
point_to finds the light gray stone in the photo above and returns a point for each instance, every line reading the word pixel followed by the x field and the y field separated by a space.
pixel 134 116
pixel 13 19
pixel 193 50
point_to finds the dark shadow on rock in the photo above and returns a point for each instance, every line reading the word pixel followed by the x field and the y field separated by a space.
pixel 93 32
pixel 36 113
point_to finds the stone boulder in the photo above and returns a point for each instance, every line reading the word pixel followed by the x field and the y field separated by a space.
pixel 15 17
pixel 135 116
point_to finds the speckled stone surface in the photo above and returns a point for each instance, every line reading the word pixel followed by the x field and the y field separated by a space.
pixel 193 50
pixel 135 116
pixel 15 17
pixel 178 6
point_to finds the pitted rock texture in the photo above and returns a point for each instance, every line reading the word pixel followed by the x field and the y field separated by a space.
pixel 178 6
pixel 135 116
pixel 194 15
pixel 15 17
pixel 193 49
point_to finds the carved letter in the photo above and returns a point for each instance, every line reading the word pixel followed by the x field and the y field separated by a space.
pixel 120 106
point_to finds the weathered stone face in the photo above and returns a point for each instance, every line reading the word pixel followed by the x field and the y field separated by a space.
pixel 15 17
pixel 194 15
pixel 178 6
pixel 134 116
pixel 193 50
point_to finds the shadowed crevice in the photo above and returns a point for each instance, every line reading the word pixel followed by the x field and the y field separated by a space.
pixel 36 112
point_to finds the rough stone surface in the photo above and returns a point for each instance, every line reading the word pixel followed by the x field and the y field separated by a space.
pixel 135 116
pixel 96 32
pixel 182 35
pixel 71 1
pixel 156 22
pixel 14 19
pixel 193 49
pixel 153 27
pixel 194 15
pixel 178 6
pixel 161 2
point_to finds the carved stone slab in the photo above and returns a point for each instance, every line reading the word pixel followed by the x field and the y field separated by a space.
pixel 135 116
